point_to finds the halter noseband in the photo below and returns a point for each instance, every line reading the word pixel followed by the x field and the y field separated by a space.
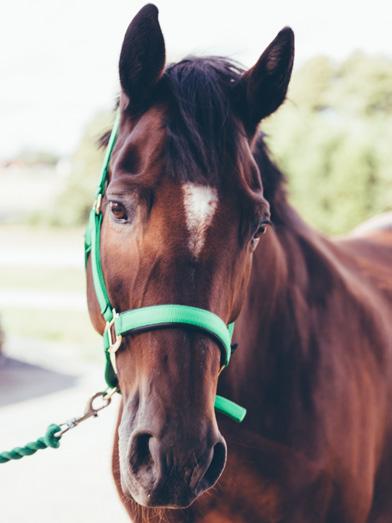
pixel 119 324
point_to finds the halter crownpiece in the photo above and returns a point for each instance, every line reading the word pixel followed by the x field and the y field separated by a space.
pixel 119 324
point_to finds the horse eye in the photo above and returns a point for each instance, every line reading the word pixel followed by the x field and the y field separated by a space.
pixel 261 228
pixel 118 211
pixel 259 231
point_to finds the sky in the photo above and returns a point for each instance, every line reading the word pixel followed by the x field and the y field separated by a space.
pixel 58 61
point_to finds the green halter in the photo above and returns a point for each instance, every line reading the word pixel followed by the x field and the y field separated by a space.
pixel 146 318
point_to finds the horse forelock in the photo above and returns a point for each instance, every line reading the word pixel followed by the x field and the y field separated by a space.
pixel 202 130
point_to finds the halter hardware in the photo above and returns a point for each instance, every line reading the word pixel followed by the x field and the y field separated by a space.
pixel 119 324
pixel 97 204
pixel 115 340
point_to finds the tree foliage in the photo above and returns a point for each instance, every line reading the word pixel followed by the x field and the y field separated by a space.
pixel 75 202
pixel 333 138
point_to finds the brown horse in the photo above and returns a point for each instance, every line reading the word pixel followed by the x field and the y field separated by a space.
pixel 191 191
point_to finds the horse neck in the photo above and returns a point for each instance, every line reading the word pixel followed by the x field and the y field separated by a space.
pixel 275 368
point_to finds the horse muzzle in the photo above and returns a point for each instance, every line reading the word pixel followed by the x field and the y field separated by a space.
pixel 168 471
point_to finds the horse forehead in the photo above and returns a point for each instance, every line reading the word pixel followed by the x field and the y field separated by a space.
pixel 200 204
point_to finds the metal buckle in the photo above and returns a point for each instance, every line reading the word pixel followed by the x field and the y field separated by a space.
pixel 97 204
pixel 115 340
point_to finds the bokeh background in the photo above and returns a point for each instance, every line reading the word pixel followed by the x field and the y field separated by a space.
pixel 58 71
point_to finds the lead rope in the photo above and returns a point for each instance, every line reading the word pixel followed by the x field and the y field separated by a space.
pixel 55 432
pixel 49 440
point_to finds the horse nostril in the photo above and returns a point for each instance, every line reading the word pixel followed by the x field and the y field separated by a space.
pixel 215 468
pixel 140 455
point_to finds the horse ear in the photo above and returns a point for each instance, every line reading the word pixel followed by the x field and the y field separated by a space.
pixel 142 57
pixel 265 85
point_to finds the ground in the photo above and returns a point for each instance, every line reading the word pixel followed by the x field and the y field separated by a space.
pixel 52 363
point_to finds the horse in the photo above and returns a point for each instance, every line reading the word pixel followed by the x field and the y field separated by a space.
pixel 196 213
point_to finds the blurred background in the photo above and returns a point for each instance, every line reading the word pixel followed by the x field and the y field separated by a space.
pixel 58 70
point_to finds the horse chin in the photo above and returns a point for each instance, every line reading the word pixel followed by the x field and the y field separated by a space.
pixel 168 495
pixel 175 500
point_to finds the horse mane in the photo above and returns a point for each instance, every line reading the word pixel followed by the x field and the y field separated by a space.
pixel 273 180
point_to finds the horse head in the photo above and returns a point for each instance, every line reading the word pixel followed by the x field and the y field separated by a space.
pixel 182 215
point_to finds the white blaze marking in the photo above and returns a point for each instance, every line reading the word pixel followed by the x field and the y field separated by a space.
pixel 200 202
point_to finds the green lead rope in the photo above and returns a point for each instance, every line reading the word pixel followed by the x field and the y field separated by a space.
pixel 49 440
pixel 100 400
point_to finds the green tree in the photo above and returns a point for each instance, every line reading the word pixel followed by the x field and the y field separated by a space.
pixel 333 139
